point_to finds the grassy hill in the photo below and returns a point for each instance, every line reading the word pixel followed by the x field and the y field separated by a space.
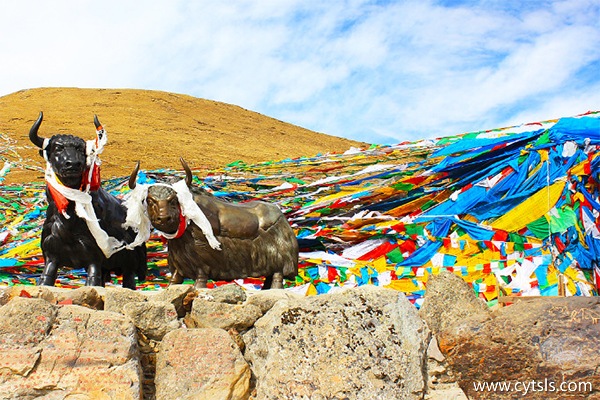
pixel 154 127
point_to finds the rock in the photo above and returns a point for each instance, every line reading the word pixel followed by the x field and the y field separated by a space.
pixel 265 299
pixel 433 351
pixel 116 298
pixel 24 324
pixel 153 318
pixel 201 364
pixel 229 293
pixel 362 343
pixel 86 296
pixel 449 299
pixel 546 341
pixel 5 295
pixel 210 314
pixel 175 294
pixel 189 300
pixel 87 353
pixel 448 392
pixel 36 292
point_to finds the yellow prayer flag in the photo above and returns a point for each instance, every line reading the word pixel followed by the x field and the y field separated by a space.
pixel 531 209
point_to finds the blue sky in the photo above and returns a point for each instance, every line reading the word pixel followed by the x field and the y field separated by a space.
pixel 374 71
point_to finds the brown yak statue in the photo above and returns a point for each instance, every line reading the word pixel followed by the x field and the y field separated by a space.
pixel 255 238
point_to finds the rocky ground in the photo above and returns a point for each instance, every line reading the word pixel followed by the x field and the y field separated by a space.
pixel 227 343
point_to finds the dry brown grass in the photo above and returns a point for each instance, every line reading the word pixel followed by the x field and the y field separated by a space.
pixel 154 127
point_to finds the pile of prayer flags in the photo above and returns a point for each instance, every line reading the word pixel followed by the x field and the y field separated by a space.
pixel 513 211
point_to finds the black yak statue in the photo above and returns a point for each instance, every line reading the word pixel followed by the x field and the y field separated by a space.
pixel 84 223
pixel 209 238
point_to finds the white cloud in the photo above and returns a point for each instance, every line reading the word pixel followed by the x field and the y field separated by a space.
pixel 404 70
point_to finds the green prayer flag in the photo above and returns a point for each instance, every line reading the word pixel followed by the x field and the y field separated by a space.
pixel 539 228
pixel 395 256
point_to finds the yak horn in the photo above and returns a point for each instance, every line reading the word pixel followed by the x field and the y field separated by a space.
pixel 133 177
pixel 33 133
pixel 97 123
pixel 188 172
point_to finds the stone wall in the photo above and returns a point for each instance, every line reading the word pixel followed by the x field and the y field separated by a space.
pixel 225 343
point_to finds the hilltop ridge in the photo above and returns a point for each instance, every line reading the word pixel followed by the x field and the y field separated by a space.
pixel 155 127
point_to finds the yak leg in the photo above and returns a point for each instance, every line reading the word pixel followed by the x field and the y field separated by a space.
pixel 48 277
pixel 201 282
pixel 277 280
pixel 176 278
pixel 129 280
pixel 267 283
pixel 94 277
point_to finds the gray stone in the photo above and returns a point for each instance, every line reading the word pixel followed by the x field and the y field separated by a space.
pixel 201 364
pixel 362 343
pixel 230 294
pixel 174 294
pixel 448 300
pixel 210 314
pixel 153 318
pixel 116 298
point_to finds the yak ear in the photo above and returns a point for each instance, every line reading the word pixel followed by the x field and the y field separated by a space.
pixel 188 172
pixel 33 132
pixel 133 176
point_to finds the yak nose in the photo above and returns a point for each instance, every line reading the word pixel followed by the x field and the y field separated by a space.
pixel 163 219
pixel 72 163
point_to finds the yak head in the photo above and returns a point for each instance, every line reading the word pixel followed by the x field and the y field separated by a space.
pixel 65 153
pixel 163 206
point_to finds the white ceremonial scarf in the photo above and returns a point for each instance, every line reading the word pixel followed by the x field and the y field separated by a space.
pixel 137 213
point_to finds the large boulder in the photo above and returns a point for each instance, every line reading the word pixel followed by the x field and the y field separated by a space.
pixel 201 364
pixel 116 298
pixel 212 314
pixel 265 299
pixel 362 343
pixel 37 292
pixel 230 293
pixel 174 294
pixel 86 296
pixel 449 300
pixel 24 324
pixel 154 319
pixel 76 351
pixel 540 348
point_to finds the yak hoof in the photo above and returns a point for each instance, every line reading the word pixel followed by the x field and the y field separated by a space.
pixel 94 281
pixel 46 280
pixel 176 278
